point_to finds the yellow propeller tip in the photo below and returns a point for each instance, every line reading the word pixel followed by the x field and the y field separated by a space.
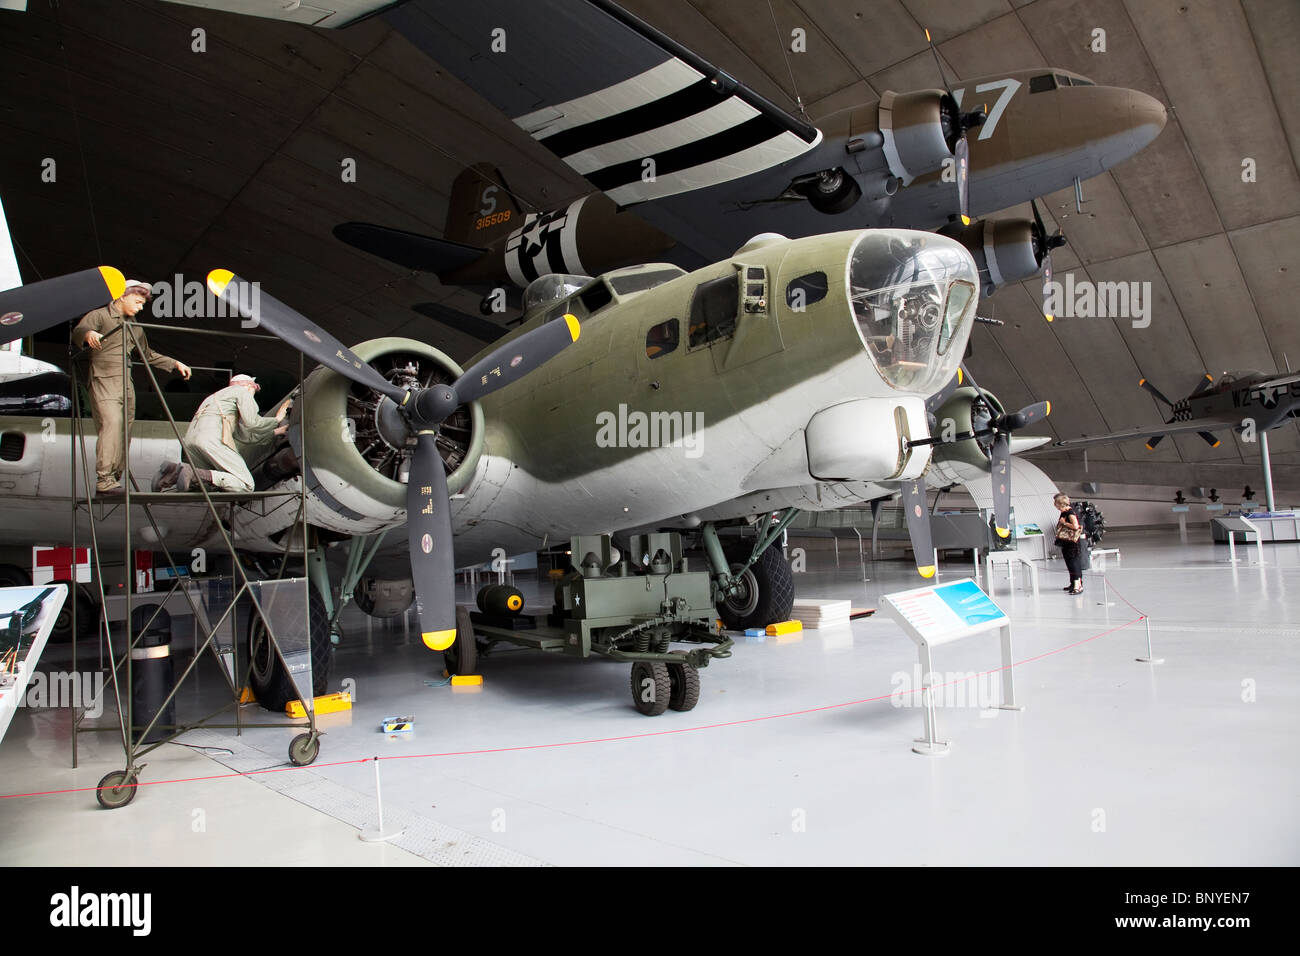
pixel 927 35
pixel 1049 408
pixel 1048 316
pixel 960 377
pixel 571 321
pixel 927 571
pixel 965 220
pixel 218 279
pixel 1004 532
pixel 114 281
pixel 439 640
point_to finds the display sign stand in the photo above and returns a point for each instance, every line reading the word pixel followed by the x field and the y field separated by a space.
pixel 1181 511
pixel 942 614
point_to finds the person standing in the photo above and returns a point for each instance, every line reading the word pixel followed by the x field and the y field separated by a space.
pixel 112 400
pixel 1068 536
pixel 226 415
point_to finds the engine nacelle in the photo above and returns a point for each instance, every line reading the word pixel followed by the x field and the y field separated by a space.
pixel 356 479
pixel 920 131
pixel 965 411
pixel 1004 249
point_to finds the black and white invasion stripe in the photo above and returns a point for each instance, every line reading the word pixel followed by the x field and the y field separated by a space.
pixel 697 130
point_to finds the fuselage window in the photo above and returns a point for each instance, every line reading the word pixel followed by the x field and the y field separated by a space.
pixel 1041 84
pixel 806 290
pixel 714 310
pixel 662 339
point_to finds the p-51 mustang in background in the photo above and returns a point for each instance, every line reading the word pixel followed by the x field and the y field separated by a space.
pixel 1238 401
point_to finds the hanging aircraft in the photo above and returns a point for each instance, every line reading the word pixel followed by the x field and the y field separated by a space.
pixel 1259 401
pixel 687 162
pixel 794 374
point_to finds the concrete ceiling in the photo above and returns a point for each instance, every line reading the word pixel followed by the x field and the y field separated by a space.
pixel 170 160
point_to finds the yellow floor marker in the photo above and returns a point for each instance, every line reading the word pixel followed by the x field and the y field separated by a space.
pixel 784 627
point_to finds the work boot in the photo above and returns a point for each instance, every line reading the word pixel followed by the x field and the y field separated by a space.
pixel 185 478
pixel 165 480
pixel 115 490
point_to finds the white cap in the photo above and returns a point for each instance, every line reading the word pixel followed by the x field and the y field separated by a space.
pixel 135 285
pixel 245 380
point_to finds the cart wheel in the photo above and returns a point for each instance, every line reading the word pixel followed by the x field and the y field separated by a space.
pixel 686 686
pixel 651 687
pixel 303 749
pixel 117 789
pixel 462 656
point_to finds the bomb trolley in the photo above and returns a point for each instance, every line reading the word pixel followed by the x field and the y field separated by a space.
pixel 632 609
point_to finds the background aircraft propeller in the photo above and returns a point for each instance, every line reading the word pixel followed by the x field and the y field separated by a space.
pixel 961 122
pixel 1043 246
pixel 37 306
pixel 411 416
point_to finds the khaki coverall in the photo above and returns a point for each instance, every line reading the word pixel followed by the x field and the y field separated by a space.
pixel 210 440
pixel 106 388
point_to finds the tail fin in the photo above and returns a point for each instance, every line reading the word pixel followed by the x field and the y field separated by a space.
pixel 481 208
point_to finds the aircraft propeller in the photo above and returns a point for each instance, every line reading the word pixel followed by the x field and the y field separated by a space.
pixel 1000 427
pixel 961 149
pixel 1043 246
pixel 1201 386
pixel 411 415
pixel 37 306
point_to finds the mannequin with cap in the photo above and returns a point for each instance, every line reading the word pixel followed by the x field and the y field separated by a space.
pixel 112 399
pixel 226 416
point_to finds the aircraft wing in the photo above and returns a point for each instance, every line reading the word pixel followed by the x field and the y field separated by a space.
pixel 313 13
pixel 1150 431
pixel 638 115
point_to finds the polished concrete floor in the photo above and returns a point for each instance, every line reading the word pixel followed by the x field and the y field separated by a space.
pixel 798 753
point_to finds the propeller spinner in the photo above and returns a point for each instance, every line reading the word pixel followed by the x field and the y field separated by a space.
pixel 412 416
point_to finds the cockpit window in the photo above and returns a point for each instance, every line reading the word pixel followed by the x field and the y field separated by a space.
pixel 1043 83
pixel 662 339
pixel 1062 79
pixel 630 282
pixel 911 298
pixel 714 310
pixel 1083 81
pixel 806 290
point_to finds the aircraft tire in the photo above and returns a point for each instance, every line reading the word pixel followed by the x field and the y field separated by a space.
pixel 767 595
pixel 462 656
pixel 270 683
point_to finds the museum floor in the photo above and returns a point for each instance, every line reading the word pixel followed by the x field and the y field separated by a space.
pixel 796 753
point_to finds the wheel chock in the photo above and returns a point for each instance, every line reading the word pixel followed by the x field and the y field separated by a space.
pixel 467 680
pixel 784 627
pixel 246 696
pixel 328 704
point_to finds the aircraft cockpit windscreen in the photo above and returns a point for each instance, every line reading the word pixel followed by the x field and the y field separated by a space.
pixel 911 298
pixel 640 278
pixel 549 288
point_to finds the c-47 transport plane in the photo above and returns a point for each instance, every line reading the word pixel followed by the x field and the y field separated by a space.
pixel 793 374
pixel 687 163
